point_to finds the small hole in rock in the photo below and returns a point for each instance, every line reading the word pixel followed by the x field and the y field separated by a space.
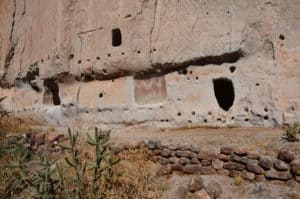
pixel 108 54
pixel 205 120
pixel 88 60
pixel 98 58
pixel 42 60
pixel 178 114
pixel 219 119
pixel 266 117
pixel 257 84
pixel 197 77
pixel 79 61
pixel 123 53
pixel 104 71
pixel 281 37
pixel 191 72
pixel 232 118
pixel 246 109
pixel 190 121
pixel 232 69
pixel 138 52
pixel 71 56
pixel 266 109
pixel 209 113
pixel 57 57
pixel 193 113
pixel 100 95
pixel 154 49
pixel 184 72
pixel 246 119
pixel 116 37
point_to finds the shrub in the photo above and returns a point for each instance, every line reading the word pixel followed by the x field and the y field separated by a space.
pixel 238 180
pixel 50 178
pixel 292 132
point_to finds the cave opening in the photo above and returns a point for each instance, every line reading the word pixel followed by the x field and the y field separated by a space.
pixel 51 93
pixel 116 37
pixel 224 92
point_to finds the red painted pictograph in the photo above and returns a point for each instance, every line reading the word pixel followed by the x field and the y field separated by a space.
pixel 150 90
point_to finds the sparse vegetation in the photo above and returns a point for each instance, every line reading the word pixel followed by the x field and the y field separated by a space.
pixel 238 180
pixel 292 132
pixel 92 171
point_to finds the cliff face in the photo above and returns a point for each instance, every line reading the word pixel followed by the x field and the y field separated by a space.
pixel 162 62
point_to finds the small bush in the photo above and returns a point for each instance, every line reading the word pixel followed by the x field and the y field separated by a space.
pixel 66 176
pixel 238 180
pixel 292 132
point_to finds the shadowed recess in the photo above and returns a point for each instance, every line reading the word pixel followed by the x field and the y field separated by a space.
pixel 51 90
pixel 224 92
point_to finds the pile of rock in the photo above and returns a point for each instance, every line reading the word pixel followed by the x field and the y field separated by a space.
pixel 43 143
pixel 196 189
pixel 230 161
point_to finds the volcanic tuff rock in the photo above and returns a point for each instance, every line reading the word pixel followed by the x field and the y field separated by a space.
pixel 115 62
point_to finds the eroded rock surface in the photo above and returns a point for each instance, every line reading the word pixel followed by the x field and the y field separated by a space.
pixel 172 63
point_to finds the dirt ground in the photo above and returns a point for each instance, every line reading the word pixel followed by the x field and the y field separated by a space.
pixel 263 140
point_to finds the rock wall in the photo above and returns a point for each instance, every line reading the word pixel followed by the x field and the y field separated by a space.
pixel 161 62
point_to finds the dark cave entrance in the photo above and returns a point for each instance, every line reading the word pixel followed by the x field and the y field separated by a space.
pixel 51 94
pixel 116 37
pixel 224 92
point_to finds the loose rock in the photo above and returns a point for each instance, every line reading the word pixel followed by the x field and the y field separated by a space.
pixel 224 158
pixel 163 160
pixel 202 194
pixel 278 175
pixel 234 166
pixel 184 161
pixel 286 155
pixel 203 155
pixel 206 163
pixel 295 167
pixel 165 170
pixel 207 171
pixel 247 175
pixel 186 154
pixel 173 160
pixel 223 172
pixel 234 173
pixel 177 167
pixel 153 144
pixel 192 168
pixel 227 150
pixel 195 184
pixel 217 164
pixel 213 188
pixel 255 169
pixel 195 161
pixel 266 162
pixel 281 166
pixel 166 153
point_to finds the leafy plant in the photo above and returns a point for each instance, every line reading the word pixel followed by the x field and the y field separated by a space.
pixel 292 132
pixel 46 177
pixel 103 161
pixel 75 163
